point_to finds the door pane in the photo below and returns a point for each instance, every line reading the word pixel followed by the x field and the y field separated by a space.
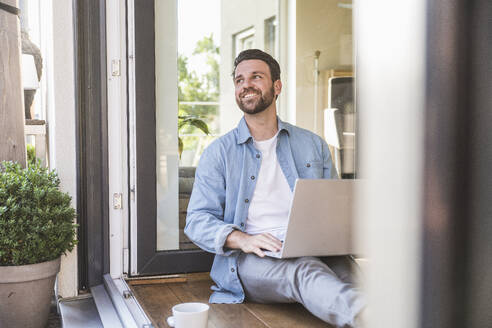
pixel 198 92
pixel 196 43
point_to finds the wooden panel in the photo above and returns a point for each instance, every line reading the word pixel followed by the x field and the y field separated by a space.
pixel 13 146
pixel 199 276
pixel 285 315
pixel 138 282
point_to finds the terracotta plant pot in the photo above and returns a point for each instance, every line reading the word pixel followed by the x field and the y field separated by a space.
pixel 25 294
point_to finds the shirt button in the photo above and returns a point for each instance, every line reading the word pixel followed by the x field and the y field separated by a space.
pixel 246 200
pixel 232 270
pixel 308 165
pixel 242 224
pixel 257 155
pixel 252 177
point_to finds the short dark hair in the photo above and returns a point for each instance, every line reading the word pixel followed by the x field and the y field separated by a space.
pixel 260 55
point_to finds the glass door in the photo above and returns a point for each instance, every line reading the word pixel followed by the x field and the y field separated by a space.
pixel 157 242
pixel 181 99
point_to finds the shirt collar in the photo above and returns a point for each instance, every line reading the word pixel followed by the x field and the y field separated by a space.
pixel 243 131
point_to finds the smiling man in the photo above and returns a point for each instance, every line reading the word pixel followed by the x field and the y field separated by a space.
pixel 241 198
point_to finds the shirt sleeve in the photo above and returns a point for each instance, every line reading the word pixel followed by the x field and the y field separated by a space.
pixel 205 224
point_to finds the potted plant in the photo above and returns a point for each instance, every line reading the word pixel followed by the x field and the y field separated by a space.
pixel 36 228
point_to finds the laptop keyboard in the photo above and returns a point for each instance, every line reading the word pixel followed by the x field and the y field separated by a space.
pixel 274 254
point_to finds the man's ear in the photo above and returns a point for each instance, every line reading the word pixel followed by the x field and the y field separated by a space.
pixel 277 86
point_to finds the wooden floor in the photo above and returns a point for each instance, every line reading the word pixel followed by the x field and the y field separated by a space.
pixel 157 297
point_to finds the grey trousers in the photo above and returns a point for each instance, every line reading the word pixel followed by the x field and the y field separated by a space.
pixel 324 286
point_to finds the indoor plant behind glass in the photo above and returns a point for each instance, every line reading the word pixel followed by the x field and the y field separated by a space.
pixel 36 228
pixel 190 121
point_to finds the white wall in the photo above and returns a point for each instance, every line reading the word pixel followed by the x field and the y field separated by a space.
pixel 236 16
pixel 60 102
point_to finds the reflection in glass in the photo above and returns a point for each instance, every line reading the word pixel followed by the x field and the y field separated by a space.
pixel 196 43
pixel 322 77
pixel 166 128
pixel 198 65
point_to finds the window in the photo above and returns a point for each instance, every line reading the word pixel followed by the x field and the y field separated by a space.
pixel 244 40
pixel 270 36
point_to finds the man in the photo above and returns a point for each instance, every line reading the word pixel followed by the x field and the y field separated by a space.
pixel 241 198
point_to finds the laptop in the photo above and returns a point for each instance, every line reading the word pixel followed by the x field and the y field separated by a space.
pixel 320 219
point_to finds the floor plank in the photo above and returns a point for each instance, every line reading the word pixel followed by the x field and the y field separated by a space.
pixel 158 299
pixel 285 315
pixel 220 315
pixel 156 281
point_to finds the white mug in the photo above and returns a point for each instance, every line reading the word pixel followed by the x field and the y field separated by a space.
pixel 189 315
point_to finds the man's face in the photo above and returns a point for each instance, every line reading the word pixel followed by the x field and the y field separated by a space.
pixel 255 90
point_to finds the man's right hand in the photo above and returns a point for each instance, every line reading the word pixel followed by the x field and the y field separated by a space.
pixel 253 243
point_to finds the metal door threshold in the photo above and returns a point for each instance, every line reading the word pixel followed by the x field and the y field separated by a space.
pixel 105 308
pixel 111 305
pixel 79 312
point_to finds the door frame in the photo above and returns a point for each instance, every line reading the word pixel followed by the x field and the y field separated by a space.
pixel 91 157
pixel 145 259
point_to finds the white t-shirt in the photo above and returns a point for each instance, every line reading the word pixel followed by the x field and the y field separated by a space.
pixel 269 207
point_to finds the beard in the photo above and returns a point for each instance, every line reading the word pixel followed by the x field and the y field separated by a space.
pixel 255 106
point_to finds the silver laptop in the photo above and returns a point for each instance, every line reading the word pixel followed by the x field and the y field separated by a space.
pixel 320 219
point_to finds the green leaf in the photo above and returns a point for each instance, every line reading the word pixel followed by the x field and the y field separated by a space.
pixel 190 120
pixel 200 124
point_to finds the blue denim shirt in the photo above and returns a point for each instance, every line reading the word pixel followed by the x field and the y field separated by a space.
pixel 224 184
